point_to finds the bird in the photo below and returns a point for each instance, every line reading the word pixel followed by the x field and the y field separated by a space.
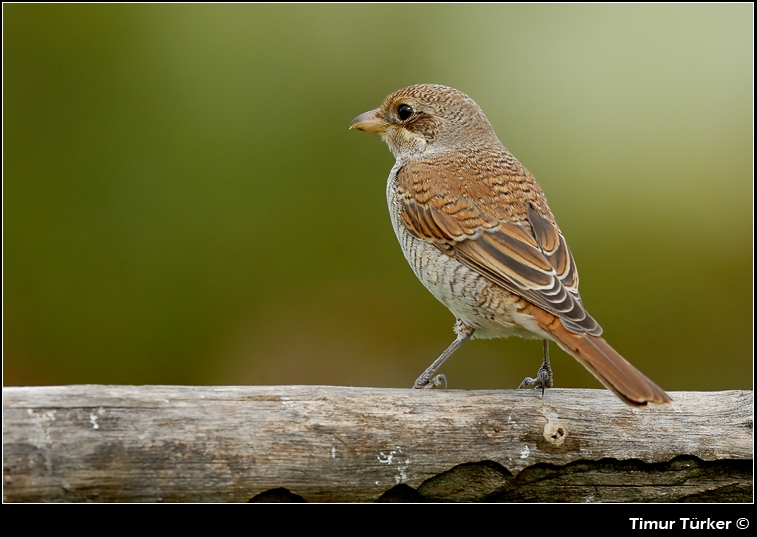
pixel 475 227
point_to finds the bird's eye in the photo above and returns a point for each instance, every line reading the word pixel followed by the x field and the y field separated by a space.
pixel 404 111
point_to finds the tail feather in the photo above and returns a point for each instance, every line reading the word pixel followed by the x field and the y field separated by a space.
pixel 611 369
pixel 604 362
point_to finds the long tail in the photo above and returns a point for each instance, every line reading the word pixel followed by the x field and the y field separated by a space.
pixel 596 355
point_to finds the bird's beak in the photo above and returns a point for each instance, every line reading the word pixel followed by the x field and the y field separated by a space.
pixel 369 122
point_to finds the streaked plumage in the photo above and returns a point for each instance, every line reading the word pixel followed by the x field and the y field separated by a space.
pixel 475 227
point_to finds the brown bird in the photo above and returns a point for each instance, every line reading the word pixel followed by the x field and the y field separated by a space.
pixel 475 227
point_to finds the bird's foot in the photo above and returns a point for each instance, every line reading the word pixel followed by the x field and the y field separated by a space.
pixel 438 382
pixel 425 381
pixel 543 380
pixel 543 376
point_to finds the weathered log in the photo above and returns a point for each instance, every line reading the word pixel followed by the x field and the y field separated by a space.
pixel 326 443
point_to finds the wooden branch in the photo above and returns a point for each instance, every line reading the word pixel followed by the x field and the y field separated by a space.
pixel 325 443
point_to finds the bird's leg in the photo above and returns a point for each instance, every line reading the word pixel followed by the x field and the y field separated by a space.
pixel 543 376
pixel 464 332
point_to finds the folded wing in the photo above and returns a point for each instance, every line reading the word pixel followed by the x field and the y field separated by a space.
pixel 513 241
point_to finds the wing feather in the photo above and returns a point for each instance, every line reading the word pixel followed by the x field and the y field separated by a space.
pixel 508 235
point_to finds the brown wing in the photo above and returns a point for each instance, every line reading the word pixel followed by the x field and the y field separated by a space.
pixel 492 216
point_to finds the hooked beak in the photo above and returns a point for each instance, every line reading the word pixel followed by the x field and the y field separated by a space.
pixel 369 122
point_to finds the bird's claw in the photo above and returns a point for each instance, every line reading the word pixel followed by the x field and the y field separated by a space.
pixel 543 379
pixel 438 382
pixel 528 383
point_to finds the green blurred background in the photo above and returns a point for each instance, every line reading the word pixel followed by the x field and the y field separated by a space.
pixel 184 202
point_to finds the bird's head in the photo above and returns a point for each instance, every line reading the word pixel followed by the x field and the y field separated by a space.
pixel 428 119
